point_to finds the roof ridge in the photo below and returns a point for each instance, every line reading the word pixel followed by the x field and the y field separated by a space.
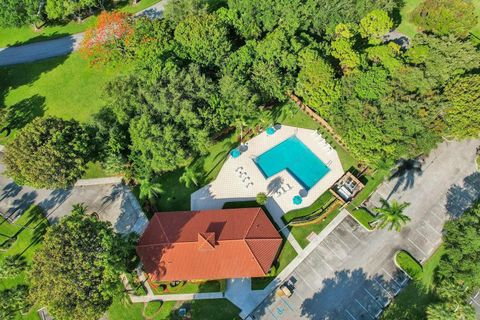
pixel 251 224
pixel 255 257
pixel 163 230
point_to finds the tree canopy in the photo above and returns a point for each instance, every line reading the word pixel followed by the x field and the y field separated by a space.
pixel 16 13
pixel 445 17
pixel 75 273
pixel 48 153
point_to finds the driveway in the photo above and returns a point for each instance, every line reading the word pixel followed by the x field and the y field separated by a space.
pixel 61 46
pixel 351 274
pixel 110 199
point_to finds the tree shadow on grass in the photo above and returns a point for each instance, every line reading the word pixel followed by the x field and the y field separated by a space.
pixel 23 112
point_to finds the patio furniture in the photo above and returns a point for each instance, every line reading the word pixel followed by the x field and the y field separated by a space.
pixel 235 153
pixel 270 131
pixel 297 200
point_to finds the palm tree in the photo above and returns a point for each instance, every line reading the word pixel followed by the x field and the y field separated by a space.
pixel 80 208
pixel 189 176
pixel 391 215
pixel 149 189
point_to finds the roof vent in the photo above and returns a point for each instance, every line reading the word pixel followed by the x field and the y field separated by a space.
pixel 206 241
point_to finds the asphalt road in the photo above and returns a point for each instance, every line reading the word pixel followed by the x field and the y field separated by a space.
pixel 61 46
pixel 351 274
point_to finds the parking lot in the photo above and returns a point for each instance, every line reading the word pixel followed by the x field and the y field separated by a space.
pixel 330 284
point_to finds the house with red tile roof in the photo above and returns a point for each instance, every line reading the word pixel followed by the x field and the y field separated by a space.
pixel 207 245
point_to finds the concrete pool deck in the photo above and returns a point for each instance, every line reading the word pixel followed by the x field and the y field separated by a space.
pixel 241 180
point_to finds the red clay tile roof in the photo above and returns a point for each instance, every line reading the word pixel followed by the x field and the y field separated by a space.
pixel 213 244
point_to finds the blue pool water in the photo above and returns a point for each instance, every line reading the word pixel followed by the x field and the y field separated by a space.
pixel 297 158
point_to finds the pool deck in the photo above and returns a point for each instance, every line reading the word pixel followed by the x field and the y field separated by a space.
pixel 231 185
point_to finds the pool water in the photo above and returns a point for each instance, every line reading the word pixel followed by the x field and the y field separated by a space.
pixel 297 158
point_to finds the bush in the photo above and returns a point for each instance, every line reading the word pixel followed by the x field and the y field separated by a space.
pixel 411 266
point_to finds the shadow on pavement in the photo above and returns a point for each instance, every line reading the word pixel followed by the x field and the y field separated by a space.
pixel 461 198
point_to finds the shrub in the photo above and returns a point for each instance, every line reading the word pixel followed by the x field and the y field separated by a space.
pixel 411 266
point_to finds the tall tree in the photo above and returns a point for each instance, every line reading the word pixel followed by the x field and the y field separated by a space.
pixel 48 153
pixel 203 38
pixel 177 10
pixel 189 176
pixel 75 272
pixel 13 302
pixel 391 215
pixel 316 82
pixel 63 9
pixel 12 266
pixel 17 13
pixel 108 40
pixel 375 25
pixel 462 109
pixel 444 17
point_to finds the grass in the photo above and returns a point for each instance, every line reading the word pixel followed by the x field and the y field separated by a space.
pixel 28 229
pixel 26 34
pixel 406 26
pixel 217 309
pixel 413 300
pixel 302 232
pixel 190 287
pixel 152 308
pixel 411 266
pixel 66 87
pixel 364 217
pixel 94 170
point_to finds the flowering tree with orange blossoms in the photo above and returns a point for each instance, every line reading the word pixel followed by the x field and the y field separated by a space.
pixel 108 39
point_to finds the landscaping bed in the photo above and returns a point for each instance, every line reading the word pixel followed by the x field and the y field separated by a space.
pixel 160 287
pixel 408 263
pixel 301 232
pixel 413 300
pixel 364 217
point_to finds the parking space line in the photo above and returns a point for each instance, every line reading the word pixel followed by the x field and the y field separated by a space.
pixel 383 288
pixel 286 302
pixel 417 247
pixel 325 261
pixel 272 313
pixel 422 235
pixel 375 299
pixel 313 269
pixel 333 233
pixel 336 255
pixel 361 305
pixel 391 277
pixel 435 230
pixel 354 235
pixel 350 314
pixel 306 282
pixel 474 301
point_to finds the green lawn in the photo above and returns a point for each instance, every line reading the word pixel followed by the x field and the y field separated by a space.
pixel 218 309
pixel 413 300
pixel 411 266
pixel 26 34
pixel 66 87
pixel 364 217
pixel 406 26
pixel 28 229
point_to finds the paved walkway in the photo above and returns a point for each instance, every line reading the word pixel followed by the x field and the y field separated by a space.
pixel 61 46
pixel 350 273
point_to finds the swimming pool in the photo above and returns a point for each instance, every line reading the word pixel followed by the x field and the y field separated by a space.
pixel 297 158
